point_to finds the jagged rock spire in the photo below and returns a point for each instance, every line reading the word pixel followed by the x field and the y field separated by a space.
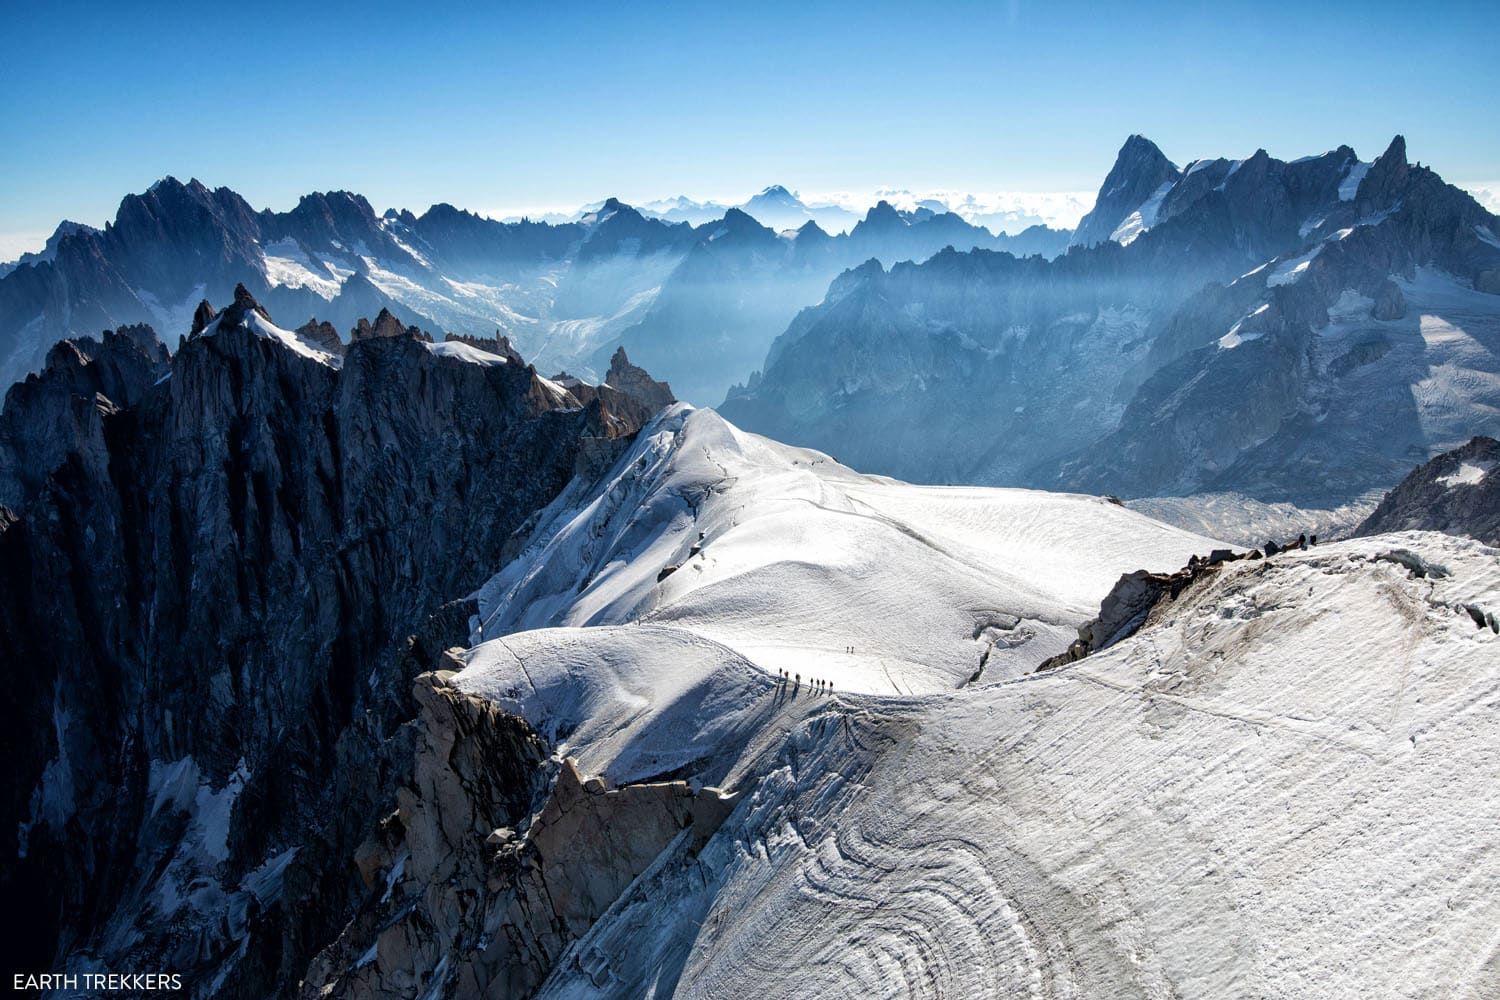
pixel 234 314
pixel 202 316
pixel 635 382
pixel 1140 169
pixel 385 325
pixel 1386 179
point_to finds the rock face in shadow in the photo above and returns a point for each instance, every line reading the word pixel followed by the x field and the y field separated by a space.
pixel 219 577
pixel 385 325
pixel 489 870
pixel 64 407
pixel 1300 332
pixel 1310 378
pixel 1458 493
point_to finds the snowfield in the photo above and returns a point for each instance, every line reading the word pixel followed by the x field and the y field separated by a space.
pixel 1282 787
pixel 799 564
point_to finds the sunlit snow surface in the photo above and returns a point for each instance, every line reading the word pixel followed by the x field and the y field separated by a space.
pixel 802 560
pixel 460 351
pixel 1144 218
pixel 266 330
pixel 1289 271
pixel 1349 186
pixel 1281 789
pixel 1467 474
pixel 287 265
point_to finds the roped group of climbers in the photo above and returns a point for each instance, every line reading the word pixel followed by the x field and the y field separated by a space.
pixel 816 683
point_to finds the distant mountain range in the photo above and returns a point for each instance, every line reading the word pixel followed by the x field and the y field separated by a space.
pixel 567 294
pixel 775 207
pixel 836 212
pixel 1299 331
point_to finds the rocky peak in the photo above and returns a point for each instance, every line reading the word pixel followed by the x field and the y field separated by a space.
pixel 235 314
pixel 739 230
pixel 735 219
pixel 336 206
pixel 385 325
pixel 59 411
pixel 202 316
pixel 1135 597
pixel 633 381
pixel 1386 178
pixel 321 334
pixel 1140 169
pixel 499 344
pixel 64 230
pixel 1458 492
pixel 618 228
pixel 811 232
pixel 444 212
pixel 883 216
pixel 855 277
pixel 774 197
pixel 171 206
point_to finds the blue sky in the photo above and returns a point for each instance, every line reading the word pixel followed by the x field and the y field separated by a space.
pixel 523 108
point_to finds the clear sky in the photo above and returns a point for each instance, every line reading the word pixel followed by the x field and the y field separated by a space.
pixel 530 108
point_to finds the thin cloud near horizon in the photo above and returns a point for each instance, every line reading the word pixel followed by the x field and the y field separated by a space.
pixel 1059 209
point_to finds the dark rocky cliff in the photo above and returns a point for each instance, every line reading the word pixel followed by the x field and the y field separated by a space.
pixel 1458 492
pixel 220 574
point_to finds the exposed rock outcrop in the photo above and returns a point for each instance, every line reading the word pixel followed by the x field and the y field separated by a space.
pixel 1458 492
pixel 499 344
pixel 1140 170
pixel 493 869
pixel 636 383
pixel 322 334
pixel 1134 599
pixel 214 574
pixel 386 325
pixel 203 315
pixel 63 408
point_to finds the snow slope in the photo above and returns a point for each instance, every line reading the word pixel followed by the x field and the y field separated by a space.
pixel 629 702
pixel 266 330
pixel 1283 788
pixel 797 563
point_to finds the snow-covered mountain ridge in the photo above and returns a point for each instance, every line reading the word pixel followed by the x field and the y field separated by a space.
pixel 1295 332
pixel 220 570
pixel 1276 788
pixel 802 565
pixel 567 294
pixel 395 668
